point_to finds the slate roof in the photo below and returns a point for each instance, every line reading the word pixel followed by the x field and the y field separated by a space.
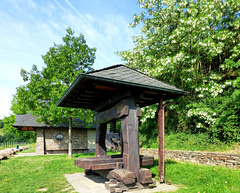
pixel 130 76
pixel 93 88
pixel 28 120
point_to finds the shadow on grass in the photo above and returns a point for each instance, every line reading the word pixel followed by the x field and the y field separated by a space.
pixel 81 155
pixel 154 166
pixel 155 163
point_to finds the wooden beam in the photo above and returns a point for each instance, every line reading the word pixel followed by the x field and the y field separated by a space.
pixel 108 88
pixel 115 112
pixel 129 130
pixel 112 100
pixel 161 166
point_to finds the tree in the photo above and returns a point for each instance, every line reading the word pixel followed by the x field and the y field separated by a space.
pixel 1 124
pixel 63 63
pixel 10 134
pixel 194 45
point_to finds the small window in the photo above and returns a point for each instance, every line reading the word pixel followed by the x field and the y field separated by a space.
pixel 59 137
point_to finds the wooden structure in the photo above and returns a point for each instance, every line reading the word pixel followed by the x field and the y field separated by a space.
pixel 118 93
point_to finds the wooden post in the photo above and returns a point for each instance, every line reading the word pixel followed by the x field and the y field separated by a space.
pixel 70 137
pixel 130 145
pixel 161 167
pixel 44 142
pixel 100 139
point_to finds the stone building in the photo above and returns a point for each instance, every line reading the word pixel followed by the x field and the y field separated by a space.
pixel 54 140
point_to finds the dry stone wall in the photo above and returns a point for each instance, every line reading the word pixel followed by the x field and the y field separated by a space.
pixel 215 159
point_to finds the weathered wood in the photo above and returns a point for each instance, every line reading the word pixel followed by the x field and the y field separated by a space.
pixel 161 166
pixel 113 100
pixel 100 139
pixel 122 175
pixel 70 137
pixel 145 176
pixel 103 166
pixel 117 160
pixel 115 112
pixel 129 128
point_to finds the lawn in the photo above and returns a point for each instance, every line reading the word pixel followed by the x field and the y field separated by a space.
pixel 33 174
pixel 194 178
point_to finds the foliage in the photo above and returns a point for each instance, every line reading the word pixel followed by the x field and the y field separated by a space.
pixel 63 63
pixel 194 45
pixel 187 142
pixel 1 124
pixel 10 134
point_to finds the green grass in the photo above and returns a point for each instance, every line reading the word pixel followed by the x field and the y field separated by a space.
pixel 29 174
pixel 32 147
pixel 189 142
pixel 193 178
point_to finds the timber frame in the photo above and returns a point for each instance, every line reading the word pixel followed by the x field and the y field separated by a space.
pixel 118 93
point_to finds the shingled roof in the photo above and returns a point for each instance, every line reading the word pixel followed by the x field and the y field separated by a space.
pixel 28 122
pixel 91 89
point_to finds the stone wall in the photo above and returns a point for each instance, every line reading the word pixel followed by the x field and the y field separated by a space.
pixel 47 142
pixel 40 141
pixel 228 160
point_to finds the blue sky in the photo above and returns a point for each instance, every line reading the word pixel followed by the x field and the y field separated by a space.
pixel 28 28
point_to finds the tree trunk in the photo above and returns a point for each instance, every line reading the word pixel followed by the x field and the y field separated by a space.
pixel 70 138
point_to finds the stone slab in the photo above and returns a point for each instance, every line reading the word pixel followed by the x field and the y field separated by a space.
pixel 95 184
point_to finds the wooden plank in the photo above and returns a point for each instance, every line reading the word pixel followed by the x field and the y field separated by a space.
pixel 104 166
pixel 93 162
pixel 161 166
